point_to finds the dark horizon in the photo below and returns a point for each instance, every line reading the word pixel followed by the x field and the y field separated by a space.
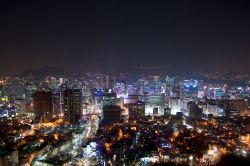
pixel 115 35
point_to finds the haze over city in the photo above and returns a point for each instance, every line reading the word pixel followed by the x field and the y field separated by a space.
pixel 115 35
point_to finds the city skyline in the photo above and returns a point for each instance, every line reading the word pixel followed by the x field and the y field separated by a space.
pixel 121 82
pixel 117 35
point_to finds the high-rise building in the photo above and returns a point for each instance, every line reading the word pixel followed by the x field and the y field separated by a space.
pixel 154 105
pixel 43 104
pixel 194 110
pixel 72 105
pixel 167 111
pixel 58 103
pixel 108 82
pixel 108 99
pixel 111 108
pixel 170 87
pixel 111 114
pixel 218 93
pixel 123 79
pixel 136 109
pixel 9 157
pixel 175 105
pixel 142 86
pixel 189 89
pixel 29 89
pixel 18 91
pixel 212 108
pixel 120 90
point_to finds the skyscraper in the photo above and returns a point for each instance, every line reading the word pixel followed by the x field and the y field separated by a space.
pixel 136 109
pixel 108 82
pixel 57 103
pixel 43 104
pixel 72 105
pixel 194 110
pixel 111 114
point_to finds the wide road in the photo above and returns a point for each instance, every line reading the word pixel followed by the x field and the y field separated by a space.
pixel 83 157
pixel 74 148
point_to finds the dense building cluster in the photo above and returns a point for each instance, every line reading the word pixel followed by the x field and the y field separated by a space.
pixel 122 119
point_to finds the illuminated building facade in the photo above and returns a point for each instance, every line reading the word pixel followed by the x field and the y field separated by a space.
pixel 29 89
pixel 218 93
pixel 108 99
pixel 175 105
pixel 58 103
pixel 213 109
pixel 154 105
pixel 189 89
pixel 120 89
pixel 136 109
pixel 72 105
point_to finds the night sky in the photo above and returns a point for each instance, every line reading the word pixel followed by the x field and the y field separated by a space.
pixel 115 35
